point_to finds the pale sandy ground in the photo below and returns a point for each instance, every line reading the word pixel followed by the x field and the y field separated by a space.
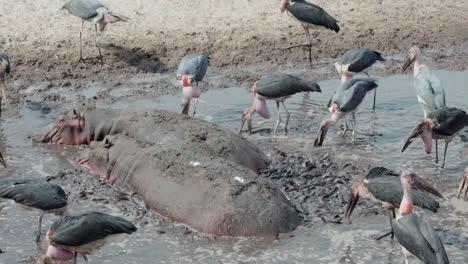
pixel 42 40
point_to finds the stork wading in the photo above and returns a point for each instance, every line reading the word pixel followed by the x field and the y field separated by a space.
pixel 355 61
pixel 192 70
pixel 82 234
pixel 383 186
pixel 277 87
pixel 36 195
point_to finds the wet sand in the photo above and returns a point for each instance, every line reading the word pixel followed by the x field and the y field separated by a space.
pixel 246 39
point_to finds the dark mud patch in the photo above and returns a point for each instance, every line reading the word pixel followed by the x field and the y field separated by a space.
pixel 104 196
pixel 318 187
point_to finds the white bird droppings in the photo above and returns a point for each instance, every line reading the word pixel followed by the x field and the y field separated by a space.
pixel 239 179
pixel 194 163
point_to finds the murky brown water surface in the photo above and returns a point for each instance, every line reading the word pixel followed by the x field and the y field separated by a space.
pixel 380 137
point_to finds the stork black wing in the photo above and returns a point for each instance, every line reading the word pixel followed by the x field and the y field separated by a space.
pixel 312 14
pixel 449 120
pixel 35 194
pixel 88 227
pixel 281 84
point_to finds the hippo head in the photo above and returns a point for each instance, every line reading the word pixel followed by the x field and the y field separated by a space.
pixel 111 157
pixel 66 130
pixel 96 158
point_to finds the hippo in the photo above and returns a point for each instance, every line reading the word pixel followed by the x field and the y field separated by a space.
pixel 157 127
pixel 186 169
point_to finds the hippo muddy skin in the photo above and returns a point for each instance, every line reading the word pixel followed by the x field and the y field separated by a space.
pixel 157 127
pixel 184 168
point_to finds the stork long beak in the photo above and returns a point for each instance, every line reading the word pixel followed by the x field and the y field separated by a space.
pixel 246 118
pixel 353 199
pixel 420 183
pixel 321 133
pixel 417 131
pixel 2 161
pixel 463 186
pixel 242 123
pixel 407 63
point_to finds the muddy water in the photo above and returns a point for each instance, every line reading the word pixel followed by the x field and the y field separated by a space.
pixel 380 136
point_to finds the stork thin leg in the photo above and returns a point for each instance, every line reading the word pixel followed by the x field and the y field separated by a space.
pixel 354 126
pixel 437 151
pixel 306 29
pixel 375 92
pixel 38 236
pixel 287 117
pixel 81 44
pixel 195 106
pixel 309 44
pixel 75 258
pixel 345 128
pixel 97 43
pixel 85 258
pixel 391 216
pixel 445 153
pixel 4 96
pixel 1 94
pixel 279 118
pixel 375 98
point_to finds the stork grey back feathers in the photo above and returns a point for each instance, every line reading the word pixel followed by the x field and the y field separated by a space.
pixel 282 84
pixel 360 59
pixel 195 65
pixel 448 121
pixel 312 14
pixel 420 239
pixel 34 193
pixel 429 89
pixel 350 94
pixel 5 57
pixel 388 188
pixel 84 9
pixel 81 229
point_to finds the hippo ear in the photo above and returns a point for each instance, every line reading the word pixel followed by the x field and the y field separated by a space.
pixel 107 143
pixel 60 121
pixel 78 119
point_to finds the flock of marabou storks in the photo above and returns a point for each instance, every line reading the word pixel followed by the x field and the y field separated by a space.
pixel 81 234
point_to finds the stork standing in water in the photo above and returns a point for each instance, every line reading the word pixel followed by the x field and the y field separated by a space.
pixel 463 186
pixel 309 16
pixel 278 87
pixel 81 234
pixel 36 195
pixel 444 123
pixel 96 12
pixel 429 90
pixel 346 99
pixel 416 236
pixel 384 186
pixel 355 61
pixel 5 69
pixel 192 69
